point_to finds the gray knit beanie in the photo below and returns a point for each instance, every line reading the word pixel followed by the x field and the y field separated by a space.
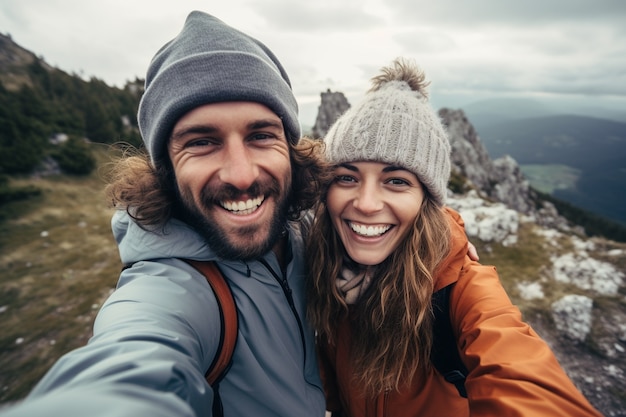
pixel 210 62
pixel 395 124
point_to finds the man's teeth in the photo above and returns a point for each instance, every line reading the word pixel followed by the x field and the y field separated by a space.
pixel 243 207
pixel 369 230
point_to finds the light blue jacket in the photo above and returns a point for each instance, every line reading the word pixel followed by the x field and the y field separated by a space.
pixel 156 336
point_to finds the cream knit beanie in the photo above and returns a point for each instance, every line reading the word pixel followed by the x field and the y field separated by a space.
pixel 395 124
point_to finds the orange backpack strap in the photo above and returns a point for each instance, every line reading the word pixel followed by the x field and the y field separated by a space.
pixel 228 318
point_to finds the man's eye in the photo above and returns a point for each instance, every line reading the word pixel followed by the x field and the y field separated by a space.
pixel 196 143
pixel 261 136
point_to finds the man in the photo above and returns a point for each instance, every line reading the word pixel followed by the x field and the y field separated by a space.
pixel 224 176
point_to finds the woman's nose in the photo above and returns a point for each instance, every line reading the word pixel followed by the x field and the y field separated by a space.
pixel 368 199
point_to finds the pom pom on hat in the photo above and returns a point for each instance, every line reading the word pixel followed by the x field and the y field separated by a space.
pixel 395 124
pixel 210 62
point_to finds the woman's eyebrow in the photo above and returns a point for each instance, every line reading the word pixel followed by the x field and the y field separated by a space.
pixel 391 168
pixel 348 167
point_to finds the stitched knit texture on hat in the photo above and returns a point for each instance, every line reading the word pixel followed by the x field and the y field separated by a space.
pixel 210 62
pixel 395 124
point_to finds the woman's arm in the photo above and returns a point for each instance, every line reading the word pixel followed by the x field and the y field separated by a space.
pixel 512 371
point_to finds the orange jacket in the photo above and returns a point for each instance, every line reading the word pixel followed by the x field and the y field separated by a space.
pixel 512 372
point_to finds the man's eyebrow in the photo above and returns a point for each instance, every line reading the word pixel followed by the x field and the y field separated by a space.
pixel 193 129
pixel 209 129
pixel 263 123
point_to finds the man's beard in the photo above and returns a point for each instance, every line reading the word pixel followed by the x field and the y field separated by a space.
pixel 219 239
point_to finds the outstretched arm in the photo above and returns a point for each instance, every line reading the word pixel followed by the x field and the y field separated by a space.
pixel 147 356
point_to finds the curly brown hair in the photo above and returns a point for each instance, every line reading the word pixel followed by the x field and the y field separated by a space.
pixel 147 191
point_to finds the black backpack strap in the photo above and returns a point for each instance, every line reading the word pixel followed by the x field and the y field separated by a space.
pixel 229 326
pixel 444 354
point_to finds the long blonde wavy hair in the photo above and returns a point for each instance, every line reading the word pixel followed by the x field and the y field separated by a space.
pixel 390 325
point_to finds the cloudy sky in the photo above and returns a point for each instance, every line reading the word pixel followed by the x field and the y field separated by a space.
pixel 471 50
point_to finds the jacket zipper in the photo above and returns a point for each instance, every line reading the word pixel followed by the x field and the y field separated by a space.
pixel 288 294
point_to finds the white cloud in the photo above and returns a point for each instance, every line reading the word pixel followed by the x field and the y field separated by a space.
pixel 470 50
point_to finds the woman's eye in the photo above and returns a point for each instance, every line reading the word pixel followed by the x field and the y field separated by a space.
pixel 344 178
pixel 398 181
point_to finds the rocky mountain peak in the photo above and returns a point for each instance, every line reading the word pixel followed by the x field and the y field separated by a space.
pixel 12 55
pixel 13 61
pixel 333 105
pixel 501 179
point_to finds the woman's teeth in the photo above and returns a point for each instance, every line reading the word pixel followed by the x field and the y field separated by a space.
pixel 369 231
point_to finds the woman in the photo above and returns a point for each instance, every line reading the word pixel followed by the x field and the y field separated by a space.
pixel 381 245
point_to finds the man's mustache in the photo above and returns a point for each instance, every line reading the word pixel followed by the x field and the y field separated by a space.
pixel 228 192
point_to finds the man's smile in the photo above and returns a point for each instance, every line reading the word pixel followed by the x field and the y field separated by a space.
pixel 243 207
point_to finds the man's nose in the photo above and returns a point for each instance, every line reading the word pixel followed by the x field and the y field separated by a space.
pixel 238 165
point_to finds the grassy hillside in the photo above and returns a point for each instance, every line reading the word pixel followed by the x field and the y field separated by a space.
pixel 58 262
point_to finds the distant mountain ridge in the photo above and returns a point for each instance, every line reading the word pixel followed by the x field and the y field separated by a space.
pixel 13 60
pixel 594 146
pixel 573 140
pixel 495 110
pixel 46 113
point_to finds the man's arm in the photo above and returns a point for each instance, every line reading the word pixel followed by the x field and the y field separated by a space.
pixel 148 354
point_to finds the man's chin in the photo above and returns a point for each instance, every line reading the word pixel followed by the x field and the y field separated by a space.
pixel 244 249
pixel 235 240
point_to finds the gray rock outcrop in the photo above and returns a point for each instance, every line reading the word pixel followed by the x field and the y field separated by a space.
pixel 572 316
pixel 333 105
pixel 500 179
